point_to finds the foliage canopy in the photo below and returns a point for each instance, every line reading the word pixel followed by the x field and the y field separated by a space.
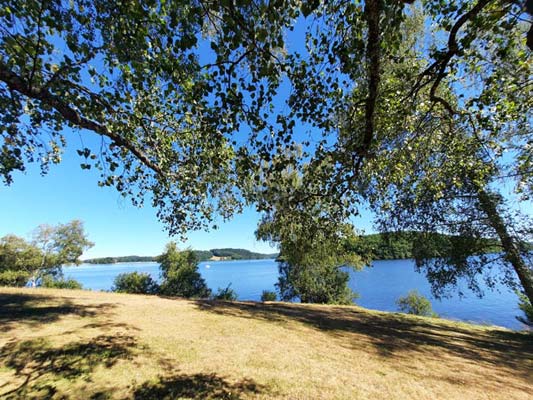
pixel 206 106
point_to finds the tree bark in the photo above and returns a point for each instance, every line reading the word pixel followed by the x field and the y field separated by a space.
pixel 489 205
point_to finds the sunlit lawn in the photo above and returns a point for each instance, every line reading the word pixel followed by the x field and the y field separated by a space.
pixel 63 344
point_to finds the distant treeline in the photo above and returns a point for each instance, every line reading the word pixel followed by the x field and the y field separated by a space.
pixel 113 260
pixel 379 246
pixel 400 245
pixel 202 255
pixel 233 254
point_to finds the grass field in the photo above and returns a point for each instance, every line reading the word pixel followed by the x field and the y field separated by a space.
pixel 63 344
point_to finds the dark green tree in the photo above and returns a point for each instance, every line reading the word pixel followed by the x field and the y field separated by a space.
pixel 179 273
pixel 268 295
pixel 527 308
pixel 136 283
pixel 314 250
pixel 415 303
pixel 226 294
pixel 49 281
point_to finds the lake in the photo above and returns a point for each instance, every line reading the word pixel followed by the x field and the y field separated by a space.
pixel 378 286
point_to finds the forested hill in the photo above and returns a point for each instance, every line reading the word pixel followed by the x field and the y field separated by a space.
pixel 113 260
pixel 203 255
pixel 232 254
pixel 399 245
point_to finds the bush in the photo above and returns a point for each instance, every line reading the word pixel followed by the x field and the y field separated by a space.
pixel 526 306
pixel 14 278
pixel 415 303
pixel 267 295
pixel 49 282
pixel 179 270
pixel 135 282
pixel 226 294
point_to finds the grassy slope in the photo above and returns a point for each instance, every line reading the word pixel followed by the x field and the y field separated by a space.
pixel 80 345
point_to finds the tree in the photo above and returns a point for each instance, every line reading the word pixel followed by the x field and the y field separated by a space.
pixel 428 154
pixel 18 260
pixel 49 281
pixel 268 295
pixel 445 157
pixel 157 83
pixel 179 272
pixel 415 303
pixel 51 247
pixel 527 308
pixel 314 251
pixel 360 93
pixel 59 245
pixel 226 294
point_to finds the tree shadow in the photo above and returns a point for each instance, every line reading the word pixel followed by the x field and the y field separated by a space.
pixel 35 309
pixel 195 386
pixel 39 364
pixel 394 334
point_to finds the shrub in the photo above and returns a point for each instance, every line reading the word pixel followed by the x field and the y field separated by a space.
pixel 14 278
pixel 415 303
pixel 268 295
pixel 179 270
pixel 226 294
pixel 526 306
pixel 135 282
pixel 49 282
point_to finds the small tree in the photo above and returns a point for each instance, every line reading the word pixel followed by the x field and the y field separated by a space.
pixel 227 294
pixel 268 295
pixel 18 261
pixel 415 303
pixel 526 306
pixel 59 245
pixel 179 272
pixel 315 255
pixel 135 282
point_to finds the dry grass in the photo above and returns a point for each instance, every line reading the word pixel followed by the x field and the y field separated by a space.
pixel 64 344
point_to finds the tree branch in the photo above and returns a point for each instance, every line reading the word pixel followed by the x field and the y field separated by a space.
pixel 67 111
pixel 438 68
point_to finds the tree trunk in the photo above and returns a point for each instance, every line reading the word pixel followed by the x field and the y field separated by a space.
pixel 489 205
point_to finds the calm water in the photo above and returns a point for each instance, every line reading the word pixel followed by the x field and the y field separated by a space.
pixel 378 286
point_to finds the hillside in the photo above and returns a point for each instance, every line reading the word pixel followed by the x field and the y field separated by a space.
pixel 203 255
pixel 399 245
pixel 88 345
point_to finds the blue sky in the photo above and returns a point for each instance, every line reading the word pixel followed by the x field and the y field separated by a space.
pixel 115 226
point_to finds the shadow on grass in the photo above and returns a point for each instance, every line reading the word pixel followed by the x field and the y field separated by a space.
pixel 195 386
pixel 39 365
pixel 395 335
pixel 34 309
